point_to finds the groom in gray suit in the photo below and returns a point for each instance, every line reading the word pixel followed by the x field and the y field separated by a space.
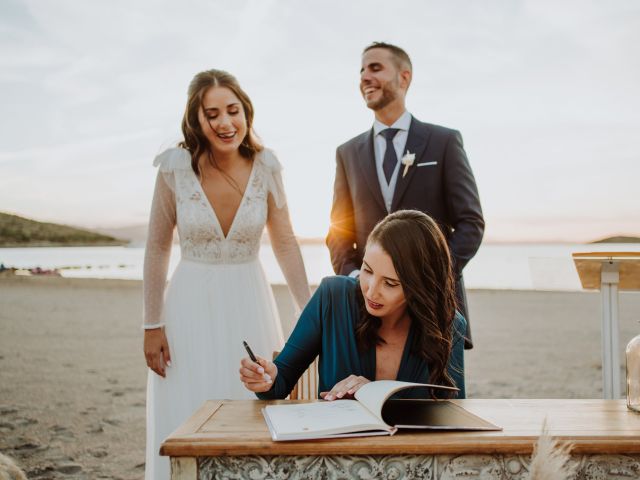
pixel 401 163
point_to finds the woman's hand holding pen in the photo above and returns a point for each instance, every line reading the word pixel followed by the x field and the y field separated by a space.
pixel 257 376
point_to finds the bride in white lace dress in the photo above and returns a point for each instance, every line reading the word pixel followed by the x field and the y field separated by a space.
pixel 220 188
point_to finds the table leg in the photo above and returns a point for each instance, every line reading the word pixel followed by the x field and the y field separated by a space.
pixel 610 335
pixel 184 468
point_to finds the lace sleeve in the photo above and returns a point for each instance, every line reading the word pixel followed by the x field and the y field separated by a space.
pixel 171 160
pixel 283 241
pixel 162 221
pixel 274 177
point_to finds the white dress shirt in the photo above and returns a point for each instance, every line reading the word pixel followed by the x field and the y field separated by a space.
pixel 380 147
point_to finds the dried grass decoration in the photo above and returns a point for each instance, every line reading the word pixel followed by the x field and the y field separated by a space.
pixel 550 460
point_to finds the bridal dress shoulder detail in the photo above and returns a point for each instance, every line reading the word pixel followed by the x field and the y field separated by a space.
pixel 218 295
pixel 201 237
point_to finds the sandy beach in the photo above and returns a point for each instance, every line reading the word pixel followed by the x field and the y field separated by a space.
pixel 73 377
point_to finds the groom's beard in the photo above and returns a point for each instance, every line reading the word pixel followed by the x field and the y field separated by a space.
pixel 388 96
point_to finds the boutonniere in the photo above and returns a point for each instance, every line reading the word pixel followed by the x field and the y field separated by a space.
pixel 407 161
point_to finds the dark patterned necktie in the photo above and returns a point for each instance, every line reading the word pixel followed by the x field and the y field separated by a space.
pixel 390 158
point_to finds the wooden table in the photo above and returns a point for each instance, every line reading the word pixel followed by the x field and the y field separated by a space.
pixel 229 439
pixel 609 272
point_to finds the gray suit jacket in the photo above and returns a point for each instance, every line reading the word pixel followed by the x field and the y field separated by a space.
pixel 446 190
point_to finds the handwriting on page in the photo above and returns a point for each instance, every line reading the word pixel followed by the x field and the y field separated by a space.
pixel 312 418
pixel 337 407
pixel 320 416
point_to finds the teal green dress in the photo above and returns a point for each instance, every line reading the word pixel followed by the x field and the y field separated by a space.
pixel 327 328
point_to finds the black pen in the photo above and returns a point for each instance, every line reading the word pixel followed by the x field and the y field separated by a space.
pixel 253 358
pixel 251 355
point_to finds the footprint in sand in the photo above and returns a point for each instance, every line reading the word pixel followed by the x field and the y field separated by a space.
pixel 26 446
pixel 61 432
pixel 95 428
pixel 99 453
pixel 68 468
pixel 7 410
pixel 40 471
pixel 6 427
pixel 24 421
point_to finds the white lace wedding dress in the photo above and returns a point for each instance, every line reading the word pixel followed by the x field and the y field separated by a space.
pixel 218 295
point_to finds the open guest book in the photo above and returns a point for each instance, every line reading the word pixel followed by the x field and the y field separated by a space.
pixel 372 412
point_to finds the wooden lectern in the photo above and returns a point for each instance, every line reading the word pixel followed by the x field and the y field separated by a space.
pixel 609 272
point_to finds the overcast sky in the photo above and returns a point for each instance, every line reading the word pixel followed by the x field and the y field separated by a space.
pixel 545 93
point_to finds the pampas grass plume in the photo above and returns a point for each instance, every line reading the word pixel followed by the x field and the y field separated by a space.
pixel 9 470
pixel 550 460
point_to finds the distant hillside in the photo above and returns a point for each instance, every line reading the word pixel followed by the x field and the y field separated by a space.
pixel 21 232
pixel 619 239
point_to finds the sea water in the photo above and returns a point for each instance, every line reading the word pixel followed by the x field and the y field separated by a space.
pixel 495 266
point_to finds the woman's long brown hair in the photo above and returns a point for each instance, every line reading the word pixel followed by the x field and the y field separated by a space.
pixel 421 258
pixel 195 140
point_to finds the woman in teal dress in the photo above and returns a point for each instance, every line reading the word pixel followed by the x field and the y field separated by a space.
pixel 397 321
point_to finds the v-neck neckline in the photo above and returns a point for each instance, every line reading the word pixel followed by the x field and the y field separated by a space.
pixel 242 201
pixel 404 359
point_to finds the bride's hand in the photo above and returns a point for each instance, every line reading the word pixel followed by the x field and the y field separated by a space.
pixel 156 350
pixel 345 388
pixel 257 377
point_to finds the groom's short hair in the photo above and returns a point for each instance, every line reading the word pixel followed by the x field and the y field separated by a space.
pixel 400 57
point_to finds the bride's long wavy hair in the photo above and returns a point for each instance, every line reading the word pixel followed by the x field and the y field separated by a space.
pixel 421 258
pixel 195 141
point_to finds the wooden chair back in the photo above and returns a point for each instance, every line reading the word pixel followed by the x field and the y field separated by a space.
pixel 307 386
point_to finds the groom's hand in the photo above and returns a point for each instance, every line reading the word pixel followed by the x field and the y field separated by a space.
pixel 156 350
pixel 257 376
